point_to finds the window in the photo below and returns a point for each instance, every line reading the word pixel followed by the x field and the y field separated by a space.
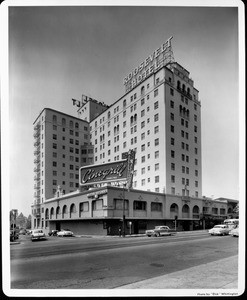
pixel 156 105
pixel 143 182
pixel 139 205
pixel 171 91
pixel 172 141
pixel 156 142
pixel 172 166
pixel 172 116
pixel 54 163
pixel 156 167
pixel 173 190
pixel 54 146
pixel 156 117
pixel 172 128
pixel 156 154
pixel 143 113
pixel 172 153
pixel 156 92
pixel 196 183
pixel 84 206
pixel 156 206
pixel 97 204
pixel 172 178
pixel 171 104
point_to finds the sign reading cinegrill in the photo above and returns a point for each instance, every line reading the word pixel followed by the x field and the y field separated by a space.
pixel 94 174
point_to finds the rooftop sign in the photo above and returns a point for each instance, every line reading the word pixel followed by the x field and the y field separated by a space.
pixel 159 58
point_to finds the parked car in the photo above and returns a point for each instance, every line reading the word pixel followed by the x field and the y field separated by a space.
pixel 219 230
pixel 37 234
pixel 22 231
pixel 53 233
pixel 65 232
pixel 235 231
pixel 160 230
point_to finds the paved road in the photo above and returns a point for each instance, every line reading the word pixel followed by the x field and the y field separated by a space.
pixel 106 263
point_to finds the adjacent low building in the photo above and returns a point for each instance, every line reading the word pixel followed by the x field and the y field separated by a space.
pixel 100 211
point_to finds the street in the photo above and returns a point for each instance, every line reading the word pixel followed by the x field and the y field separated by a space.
pixel 110 262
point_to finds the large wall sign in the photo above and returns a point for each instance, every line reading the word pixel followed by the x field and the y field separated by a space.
pixel 159 58
pixel 108 172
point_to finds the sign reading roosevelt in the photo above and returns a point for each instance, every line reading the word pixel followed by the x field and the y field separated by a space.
pixel 115 171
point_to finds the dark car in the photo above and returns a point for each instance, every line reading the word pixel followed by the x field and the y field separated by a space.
pixel 53 233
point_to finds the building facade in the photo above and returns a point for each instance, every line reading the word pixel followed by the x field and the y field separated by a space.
pixel 62 146
pixel 100 211
pixel 159 117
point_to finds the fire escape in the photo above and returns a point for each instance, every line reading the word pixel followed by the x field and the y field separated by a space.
pixel 36 206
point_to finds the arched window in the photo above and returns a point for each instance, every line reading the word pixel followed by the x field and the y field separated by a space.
pixel 109 114
pixel 124 103
pixel 47 213
pixel 142 90
pixel 54 119
pixel 63 122
pixel 185 211
pixel 71 124
pixel 179 85
pixel 188 91
pixel 195 212
pixel 183 87
pixel 72 209
pixel 51 213
pixel 58 212
pixel 173 210
pixel 65 211
pixel 135 117
pixel 76 125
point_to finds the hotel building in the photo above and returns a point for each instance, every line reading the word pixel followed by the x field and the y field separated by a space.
pixel 159 116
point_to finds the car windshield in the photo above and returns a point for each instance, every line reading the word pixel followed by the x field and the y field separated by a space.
pixel 218 226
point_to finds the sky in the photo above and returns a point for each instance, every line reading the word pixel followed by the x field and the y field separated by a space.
pixel 59 53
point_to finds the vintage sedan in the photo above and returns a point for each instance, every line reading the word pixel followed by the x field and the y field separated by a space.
pixel 219 230
pixel 37 234
pixel 65 232
pixel 234 232
pixel 160 230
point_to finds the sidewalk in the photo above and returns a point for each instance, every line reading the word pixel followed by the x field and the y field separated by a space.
pixel 220 274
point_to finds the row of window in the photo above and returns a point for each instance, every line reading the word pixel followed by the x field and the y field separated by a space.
pixel 72 124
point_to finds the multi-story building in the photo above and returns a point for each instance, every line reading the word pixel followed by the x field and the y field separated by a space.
pixel 159 116
pixel 161 119
pixel 62 146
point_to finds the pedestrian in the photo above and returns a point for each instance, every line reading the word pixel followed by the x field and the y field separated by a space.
pixel 120 231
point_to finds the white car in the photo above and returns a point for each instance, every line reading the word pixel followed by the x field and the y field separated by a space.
pixel 160 230
pixel 37 234
pixel 65 232
pixel 219 230
pixel 234 232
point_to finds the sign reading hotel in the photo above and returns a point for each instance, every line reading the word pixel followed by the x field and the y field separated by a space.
pixel 155 61
pixel 94 174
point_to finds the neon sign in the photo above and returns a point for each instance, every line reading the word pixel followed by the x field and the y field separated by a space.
pixel 108 172
pixel 150 65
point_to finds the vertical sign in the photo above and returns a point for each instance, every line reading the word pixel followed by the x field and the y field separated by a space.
pixel 131 163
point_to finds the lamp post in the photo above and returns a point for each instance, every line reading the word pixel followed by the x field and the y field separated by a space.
pixel 123 233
